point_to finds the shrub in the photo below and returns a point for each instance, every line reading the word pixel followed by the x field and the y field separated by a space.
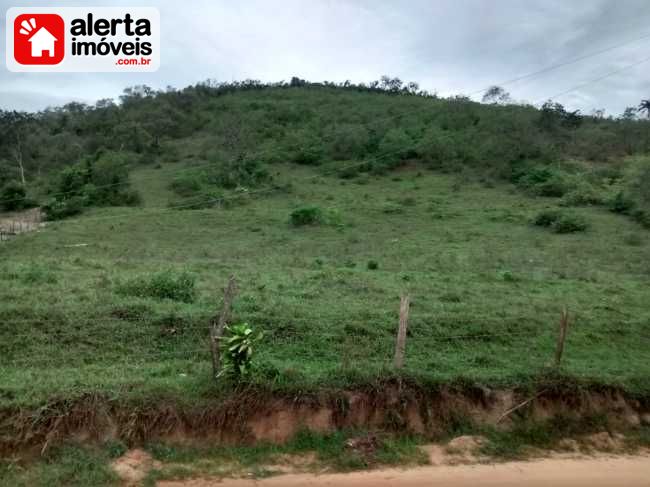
pixel 621 203
pixel 13 196
pixel 305 147
pixel 561 222
pixel 102 180
pixel 542 181
pixel 546 218
pixel 177 286
pixel 634 197
pixel 373 265
pixel 348 141
pixel 583 194
pixel 642 217
pixel 186 185
pixel 242 171
pixel 306 215
pixel 395 146
pixel 570 224
pixel 59 209
pixel 508 276
pixel 237 350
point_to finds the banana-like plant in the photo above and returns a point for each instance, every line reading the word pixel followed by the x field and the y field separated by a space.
pixel 237 353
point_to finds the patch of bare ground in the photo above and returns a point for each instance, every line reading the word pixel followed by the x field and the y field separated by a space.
pixel 603 471
pixel 460 451
pixel 134 466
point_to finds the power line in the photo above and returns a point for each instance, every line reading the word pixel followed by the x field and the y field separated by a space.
pixel 600 78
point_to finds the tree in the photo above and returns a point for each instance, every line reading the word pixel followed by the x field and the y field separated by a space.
pixel 12 196
pixel 13 130
pixel 629 115
pixel 598 113
pixel 497 96
pixel 644 106
pixel 553 115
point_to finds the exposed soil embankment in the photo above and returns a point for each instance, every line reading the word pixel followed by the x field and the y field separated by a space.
pixel 248 417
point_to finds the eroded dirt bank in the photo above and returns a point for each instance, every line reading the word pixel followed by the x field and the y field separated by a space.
pixel 250 417
pixel 593 472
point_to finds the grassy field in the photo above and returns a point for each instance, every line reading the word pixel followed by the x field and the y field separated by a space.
pixel 487 289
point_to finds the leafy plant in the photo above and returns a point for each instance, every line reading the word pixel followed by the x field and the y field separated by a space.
pixel 561 222
pixel 546 218
pixel 306 215
pixel 543 181
pixel 570 224
pixel 237 350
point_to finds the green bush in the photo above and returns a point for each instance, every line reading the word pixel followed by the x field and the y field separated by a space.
pixel 305 147
pixel 622 203
pixel 561 222
pixel 542 181
pixel 634 197
pixel 237 350
pixel 642 217
pixel 306 215
pixel 13 196
pixel 373 265
pixel 241 172
pixel 177 286
pixel 583 194
pixel 347 141
pixel 570 224
pixel 186 185
pixel 101 180
pixel 58 209
pixel 394 147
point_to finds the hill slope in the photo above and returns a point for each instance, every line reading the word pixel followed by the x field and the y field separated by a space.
pixel 410 194
pixel 487 289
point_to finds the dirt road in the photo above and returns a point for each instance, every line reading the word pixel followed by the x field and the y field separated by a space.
pixel 591 472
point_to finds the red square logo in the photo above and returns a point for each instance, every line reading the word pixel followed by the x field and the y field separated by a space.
pixel 39 39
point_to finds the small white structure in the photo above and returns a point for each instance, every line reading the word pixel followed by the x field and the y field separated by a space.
pixel 42 41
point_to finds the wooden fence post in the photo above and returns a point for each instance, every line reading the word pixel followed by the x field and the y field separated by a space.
pixel 561 338
pixel 400 345
pixel 218 324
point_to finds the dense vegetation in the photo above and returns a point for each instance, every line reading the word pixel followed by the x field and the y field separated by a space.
pixel 327 203
pixel 239 130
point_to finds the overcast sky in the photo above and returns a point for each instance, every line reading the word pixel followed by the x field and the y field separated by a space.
pixel 447 46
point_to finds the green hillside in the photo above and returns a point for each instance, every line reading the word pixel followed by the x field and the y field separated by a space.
pixel 492 218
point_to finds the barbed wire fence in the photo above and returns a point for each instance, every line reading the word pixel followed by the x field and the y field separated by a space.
pixel 390 349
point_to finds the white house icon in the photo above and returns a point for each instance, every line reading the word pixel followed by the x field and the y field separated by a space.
pixel 42 41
